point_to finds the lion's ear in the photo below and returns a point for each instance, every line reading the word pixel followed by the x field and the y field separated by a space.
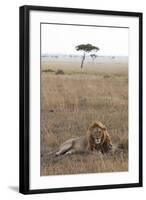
pixel 90 129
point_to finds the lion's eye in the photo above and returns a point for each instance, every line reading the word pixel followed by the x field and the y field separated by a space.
pixel 95 130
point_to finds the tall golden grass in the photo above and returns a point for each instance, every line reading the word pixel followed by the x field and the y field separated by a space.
pixel 71 101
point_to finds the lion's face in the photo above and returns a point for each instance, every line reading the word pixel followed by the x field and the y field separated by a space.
pixel 97 134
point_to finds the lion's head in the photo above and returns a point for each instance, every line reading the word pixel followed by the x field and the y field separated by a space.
pixel 98 137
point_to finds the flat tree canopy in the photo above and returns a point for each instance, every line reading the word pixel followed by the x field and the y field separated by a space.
pixel 86 47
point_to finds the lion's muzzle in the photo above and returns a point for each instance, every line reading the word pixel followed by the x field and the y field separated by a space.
pixel 97 141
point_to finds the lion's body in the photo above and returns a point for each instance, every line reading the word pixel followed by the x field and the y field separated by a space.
pixel 97 138
pixel 74 145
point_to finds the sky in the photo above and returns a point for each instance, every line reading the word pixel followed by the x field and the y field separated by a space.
pixel 62 39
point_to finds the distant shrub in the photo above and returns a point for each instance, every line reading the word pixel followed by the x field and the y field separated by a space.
pixel 106 76
pixel 48 70
pixel 59 71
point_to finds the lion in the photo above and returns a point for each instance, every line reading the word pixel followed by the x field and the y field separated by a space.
pixel 97 138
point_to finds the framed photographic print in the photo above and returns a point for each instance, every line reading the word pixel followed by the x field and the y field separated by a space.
pixel 80 99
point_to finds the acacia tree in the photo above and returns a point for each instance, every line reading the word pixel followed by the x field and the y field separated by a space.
pixel 86 48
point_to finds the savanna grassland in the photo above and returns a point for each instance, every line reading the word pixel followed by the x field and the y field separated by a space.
pixel 71 99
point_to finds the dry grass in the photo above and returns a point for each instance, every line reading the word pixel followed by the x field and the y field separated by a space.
pixel 71 101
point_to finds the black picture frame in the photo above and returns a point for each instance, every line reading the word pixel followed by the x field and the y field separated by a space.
pixel 25 105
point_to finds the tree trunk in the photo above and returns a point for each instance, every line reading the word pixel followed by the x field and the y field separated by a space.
pixel 82 61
